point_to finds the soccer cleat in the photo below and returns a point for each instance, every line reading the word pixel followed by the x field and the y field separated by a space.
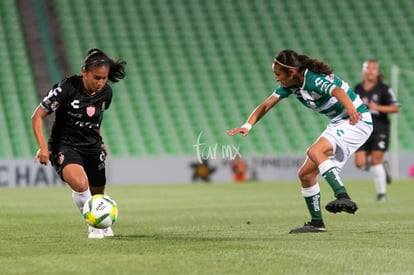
pixel 340 205
pixel 308 228
pixel 381 197
pixel 107 232
pixel 387 171
pixel 95 233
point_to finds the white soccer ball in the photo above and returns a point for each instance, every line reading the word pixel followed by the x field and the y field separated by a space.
pixel 100 211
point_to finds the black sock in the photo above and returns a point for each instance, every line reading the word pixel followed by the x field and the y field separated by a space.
pixel 343 196
pixel 317 223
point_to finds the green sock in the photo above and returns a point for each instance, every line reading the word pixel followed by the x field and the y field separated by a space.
pixel 314 206
pixel 312 197
pixel 334 180
pixel 330 173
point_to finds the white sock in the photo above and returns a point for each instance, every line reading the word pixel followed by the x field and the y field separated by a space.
pixel 325 166
pixel 79 198
pixel 380 179
pixel 311 191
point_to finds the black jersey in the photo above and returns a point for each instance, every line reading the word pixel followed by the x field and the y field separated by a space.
pixel 78 115
pixel 380 94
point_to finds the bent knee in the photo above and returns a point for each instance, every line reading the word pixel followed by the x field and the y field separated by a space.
pixel 306 176
pixel 313 153
pixel 75 177
pixel 317 154
pixel 360 165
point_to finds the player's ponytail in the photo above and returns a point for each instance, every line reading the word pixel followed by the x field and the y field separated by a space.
pixel 314 65
pixel 289 59
pixel 117 70
pixel 95 58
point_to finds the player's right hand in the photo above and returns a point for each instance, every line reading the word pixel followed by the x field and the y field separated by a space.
pixel 42 156
pixel 242 130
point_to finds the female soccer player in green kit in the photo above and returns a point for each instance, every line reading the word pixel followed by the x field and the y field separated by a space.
pixel 313 83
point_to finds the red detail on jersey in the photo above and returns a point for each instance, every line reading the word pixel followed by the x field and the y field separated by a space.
pixel 90 110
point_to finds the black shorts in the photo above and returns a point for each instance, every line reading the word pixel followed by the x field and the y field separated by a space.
pixel 93 164
pixel 378 141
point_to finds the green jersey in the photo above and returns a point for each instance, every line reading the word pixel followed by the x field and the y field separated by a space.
pixel 316 94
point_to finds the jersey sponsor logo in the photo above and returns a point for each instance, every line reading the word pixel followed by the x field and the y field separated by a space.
pixel 90 110
pixel 89 125
pixel 325 85
pixel 50 101
pixel 54 92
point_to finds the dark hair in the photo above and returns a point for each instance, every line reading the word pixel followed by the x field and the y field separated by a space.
pixel 95 58
pixel 289 59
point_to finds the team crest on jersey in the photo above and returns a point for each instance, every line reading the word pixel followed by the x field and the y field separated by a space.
pixel 54 105
pixel 61 158
pixel 90 110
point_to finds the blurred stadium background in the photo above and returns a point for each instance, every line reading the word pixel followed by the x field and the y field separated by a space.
pixel 196 68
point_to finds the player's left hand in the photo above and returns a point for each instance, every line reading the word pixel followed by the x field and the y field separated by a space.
pixel 42 155
pixel 354 118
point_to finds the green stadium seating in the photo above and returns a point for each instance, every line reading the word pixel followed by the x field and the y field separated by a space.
pixel 17 90
pixel 202 66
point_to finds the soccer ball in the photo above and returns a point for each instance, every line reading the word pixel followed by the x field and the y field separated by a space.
pixel 100 211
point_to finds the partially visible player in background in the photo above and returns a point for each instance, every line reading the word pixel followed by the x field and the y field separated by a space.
pixel 313 83
pixel 75 147
pixel 239 169
pixel 381 101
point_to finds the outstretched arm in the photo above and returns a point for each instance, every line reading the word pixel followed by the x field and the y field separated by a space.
pixel 255 116
pixel 42 154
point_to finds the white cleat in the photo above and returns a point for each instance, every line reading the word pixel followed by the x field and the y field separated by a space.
pixel 107 232
pixel 95 233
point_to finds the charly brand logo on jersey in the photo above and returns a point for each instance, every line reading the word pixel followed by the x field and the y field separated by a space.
pixel 75 104
pixel 90 110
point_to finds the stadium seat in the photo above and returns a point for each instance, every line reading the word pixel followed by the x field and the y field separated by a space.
pixel 206 64
pixel 202 66
pixel 18 95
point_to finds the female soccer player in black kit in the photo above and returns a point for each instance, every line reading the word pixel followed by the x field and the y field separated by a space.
pixel 75 147
pixel 381 101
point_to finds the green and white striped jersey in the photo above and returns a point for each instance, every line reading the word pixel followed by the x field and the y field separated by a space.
pixel 316 94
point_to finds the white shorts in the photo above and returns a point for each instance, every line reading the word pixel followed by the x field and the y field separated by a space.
pixel 346 138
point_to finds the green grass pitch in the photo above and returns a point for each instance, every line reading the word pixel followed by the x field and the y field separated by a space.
pixel 219 228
